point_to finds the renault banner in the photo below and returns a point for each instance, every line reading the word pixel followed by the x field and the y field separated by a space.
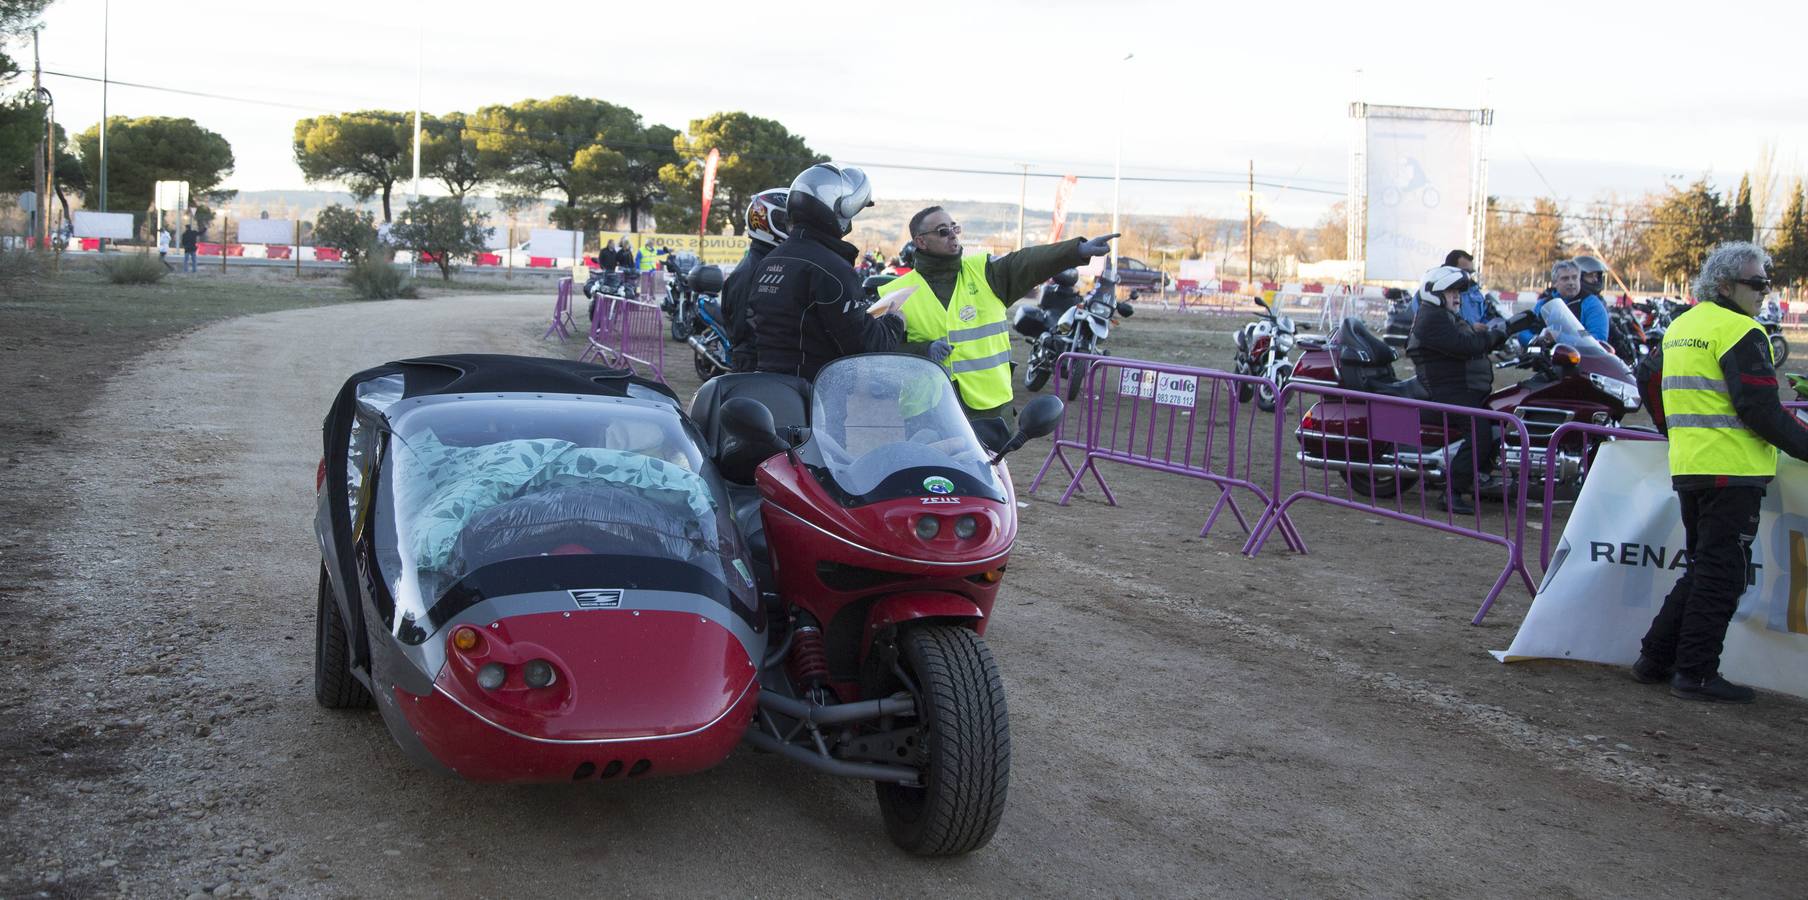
pixel 1623 550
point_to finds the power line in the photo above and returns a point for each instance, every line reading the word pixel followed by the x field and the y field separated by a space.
pixel 399 118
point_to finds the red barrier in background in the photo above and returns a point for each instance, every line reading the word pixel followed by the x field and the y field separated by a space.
pixel 276 251
pixel 90 243
pixel 214 249
pixel 327 254
pixel 486 259
pixel 542 262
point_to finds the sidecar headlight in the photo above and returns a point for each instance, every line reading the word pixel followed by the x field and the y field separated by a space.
pixel 491 676
pixel 928 527
pixel 965 527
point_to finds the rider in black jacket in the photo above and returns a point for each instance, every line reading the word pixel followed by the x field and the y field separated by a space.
pixel 806 302
pixel 1450 357
pixel 767 226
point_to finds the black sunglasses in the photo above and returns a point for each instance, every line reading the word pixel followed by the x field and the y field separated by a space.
pixel 1756 284
pixel 942 231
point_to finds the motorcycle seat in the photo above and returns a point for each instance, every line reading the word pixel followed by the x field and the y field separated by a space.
pixel 1357 344
pixel 1409 389
pixel 787 397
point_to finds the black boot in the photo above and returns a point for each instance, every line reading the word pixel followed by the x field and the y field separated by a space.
pixel 1454 503
pixel 1647 671
pixel 1712 688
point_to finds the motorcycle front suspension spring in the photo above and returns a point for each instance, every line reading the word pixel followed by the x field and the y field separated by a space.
pixel 809 661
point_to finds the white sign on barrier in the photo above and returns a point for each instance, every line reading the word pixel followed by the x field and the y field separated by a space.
pixel 1622 551
pixel 266 231
pixel 1166 388
pixel 110 225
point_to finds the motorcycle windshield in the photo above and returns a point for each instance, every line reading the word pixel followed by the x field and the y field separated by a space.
pixel 469 483
pixel 887 425
pixel 1562 325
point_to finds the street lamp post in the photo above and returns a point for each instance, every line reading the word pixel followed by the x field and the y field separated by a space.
pixel 1117 177
pixel 106 16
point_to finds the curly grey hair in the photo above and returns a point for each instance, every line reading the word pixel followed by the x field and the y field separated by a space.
pixel 1726 265
pixel 1563 266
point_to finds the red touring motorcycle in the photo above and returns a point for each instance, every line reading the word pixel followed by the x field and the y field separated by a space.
pixel 542 570
pixel 1577 379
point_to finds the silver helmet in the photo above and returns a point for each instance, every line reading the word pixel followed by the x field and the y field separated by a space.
pixel 842 191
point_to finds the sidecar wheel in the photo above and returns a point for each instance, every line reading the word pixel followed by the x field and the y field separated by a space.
pixel 1379 487
pixel 1779 350
pixel 966 734
pixel 334 685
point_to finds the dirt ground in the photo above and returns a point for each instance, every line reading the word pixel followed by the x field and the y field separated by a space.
pixel 1185 721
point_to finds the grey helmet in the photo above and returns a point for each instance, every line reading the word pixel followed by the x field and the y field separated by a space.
pixel 1594 274
pixel 840 191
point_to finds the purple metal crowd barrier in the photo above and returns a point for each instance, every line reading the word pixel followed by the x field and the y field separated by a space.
pixel 1380 447
pixel 1578 460
pixel 628 333
pixel 562 323
pixel 1171 418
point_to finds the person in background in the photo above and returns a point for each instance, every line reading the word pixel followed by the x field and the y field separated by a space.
pixel 1450 357
pixel 767 226
pixel 191 242
pixel 1725 427
pixel 1589 307
pixel 163 242
pixel 957 315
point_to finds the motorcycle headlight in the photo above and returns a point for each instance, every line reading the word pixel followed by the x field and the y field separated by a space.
pixel 1283 342
pixel 1101 308
pixel 1625 393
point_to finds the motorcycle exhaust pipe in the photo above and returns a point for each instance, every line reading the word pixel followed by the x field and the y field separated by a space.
pixel 698 348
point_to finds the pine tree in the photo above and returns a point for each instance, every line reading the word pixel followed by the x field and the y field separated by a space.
pixel 1789 255
pixel 1739 225
pixel 1689 223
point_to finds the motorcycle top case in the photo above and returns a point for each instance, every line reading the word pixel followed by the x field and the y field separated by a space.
pixel 706 279
pixel 1029 321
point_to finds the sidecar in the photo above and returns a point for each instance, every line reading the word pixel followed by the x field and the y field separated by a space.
pixel 529 567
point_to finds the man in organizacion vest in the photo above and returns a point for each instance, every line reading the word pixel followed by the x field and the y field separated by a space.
pixel 960 321
pixel 1725 426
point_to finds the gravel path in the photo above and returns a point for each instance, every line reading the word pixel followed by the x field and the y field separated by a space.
pixel 1176 732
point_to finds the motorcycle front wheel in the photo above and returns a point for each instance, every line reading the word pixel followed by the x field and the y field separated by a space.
pixel 681 325
pixel 1379 487
pixel 965 736
pixel 1779 349
pixel 1265 398
pixel 1074 373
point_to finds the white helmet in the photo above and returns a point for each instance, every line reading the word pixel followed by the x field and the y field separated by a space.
pixel 766 217
pixel 832 192
pixel 1441 279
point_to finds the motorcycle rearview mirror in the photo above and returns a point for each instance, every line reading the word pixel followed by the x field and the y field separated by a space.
pixel 750 422
pixel 1125 309
pixel 1135 294
pixel 1038 419
pixel 1565 355
pixel 1525 321
pixel 1260 302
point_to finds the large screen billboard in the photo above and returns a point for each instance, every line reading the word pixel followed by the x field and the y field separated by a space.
pixel 1420 180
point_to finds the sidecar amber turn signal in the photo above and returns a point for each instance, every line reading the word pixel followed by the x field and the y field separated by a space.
pixel 467 639
pixel 993 576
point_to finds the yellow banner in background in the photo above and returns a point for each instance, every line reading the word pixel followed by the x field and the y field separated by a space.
pixel 714 249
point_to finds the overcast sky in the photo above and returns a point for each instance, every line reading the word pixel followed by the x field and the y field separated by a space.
pixel 1589 96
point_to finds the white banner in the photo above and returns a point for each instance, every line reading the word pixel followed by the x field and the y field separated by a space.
pixel 1419 179
pixel 1623 550
pixel 110 225
pixel 555 243
pixel 266 231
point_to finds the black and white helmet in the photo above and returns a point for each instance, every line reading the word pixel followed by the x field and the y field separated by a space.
pixel 840 191
pixel 1594 274
pixel 766 217
pixel 1441 279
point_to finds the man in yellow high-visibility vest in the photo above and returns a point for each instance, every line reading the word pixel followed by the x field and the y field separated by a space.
pixel 960 322
pixel 1725 426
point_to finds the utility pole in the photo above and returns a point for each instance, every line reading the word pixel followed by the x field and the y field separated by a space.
pixel 1249 230
pixel 38 231
pixel 106 14
pixel 1022 193
pixel 420 56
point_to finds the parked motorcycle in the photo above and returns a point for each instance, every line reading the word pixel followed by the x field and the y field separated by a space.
pixel 1082 329
pixel 1400 309
pixel 1625 336
pixel 606 281
pixel 1575 379
pixel 680 305
pixel 1771 317
pixel 709 338
pixel 1263 347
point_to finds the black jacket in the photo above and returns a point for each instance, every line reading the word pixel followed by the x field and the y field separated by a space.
pixel 806 304
pixel 190 240
pixel 624 258
pixel 1751 385
pixel 1451 358
pixel 735 293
